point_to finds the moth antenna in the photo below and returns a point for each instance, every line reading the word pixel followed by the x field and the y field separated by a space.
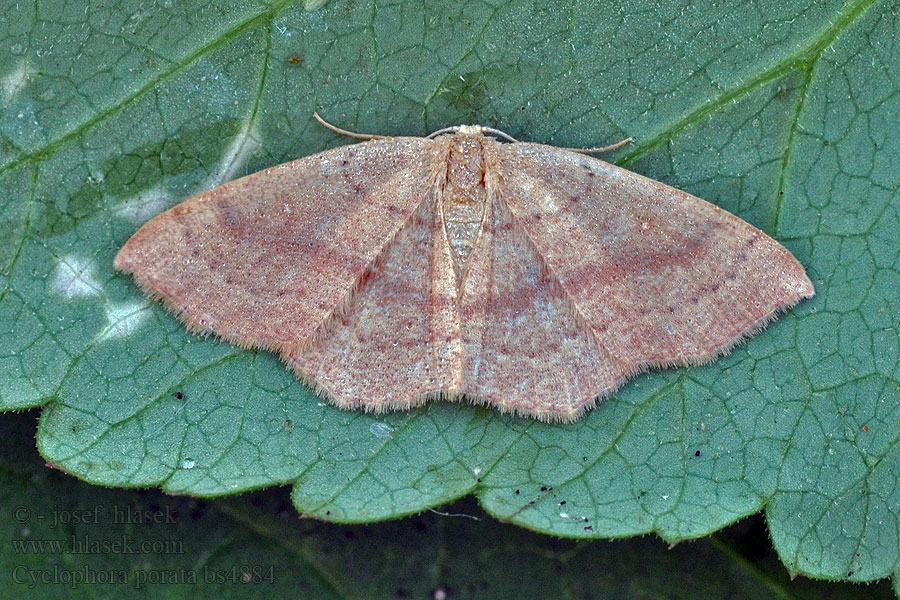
pixel 471 129
pixel 502 134
pixel 603 149
pixel 335 128
pixel 434 134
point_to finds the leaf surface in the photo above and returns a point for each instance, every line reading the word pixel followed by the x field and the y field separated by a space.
pixel 784 113
pixel 134 544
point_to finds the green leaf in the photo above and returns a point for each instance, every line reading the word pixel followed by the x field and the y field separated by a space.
pixel 149 545
pixel 784 113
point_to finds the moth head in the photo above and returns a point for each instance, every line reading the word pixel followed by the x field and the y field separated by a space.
pixel 470 129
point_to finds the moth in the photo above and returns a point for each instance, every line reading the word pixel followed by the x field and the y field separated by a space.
pixel 465 264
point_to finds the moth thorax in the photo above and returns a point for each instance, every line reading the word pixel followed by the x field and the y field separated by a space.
pixel 463 197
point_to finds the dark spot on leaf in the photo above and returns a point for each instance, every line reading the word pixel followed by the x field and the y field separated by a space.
pixel 179 396
pixel 517 491
pixel 697 453
pixel 61 216
pixel 467 94
pixel 543 488
pixel 294 60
